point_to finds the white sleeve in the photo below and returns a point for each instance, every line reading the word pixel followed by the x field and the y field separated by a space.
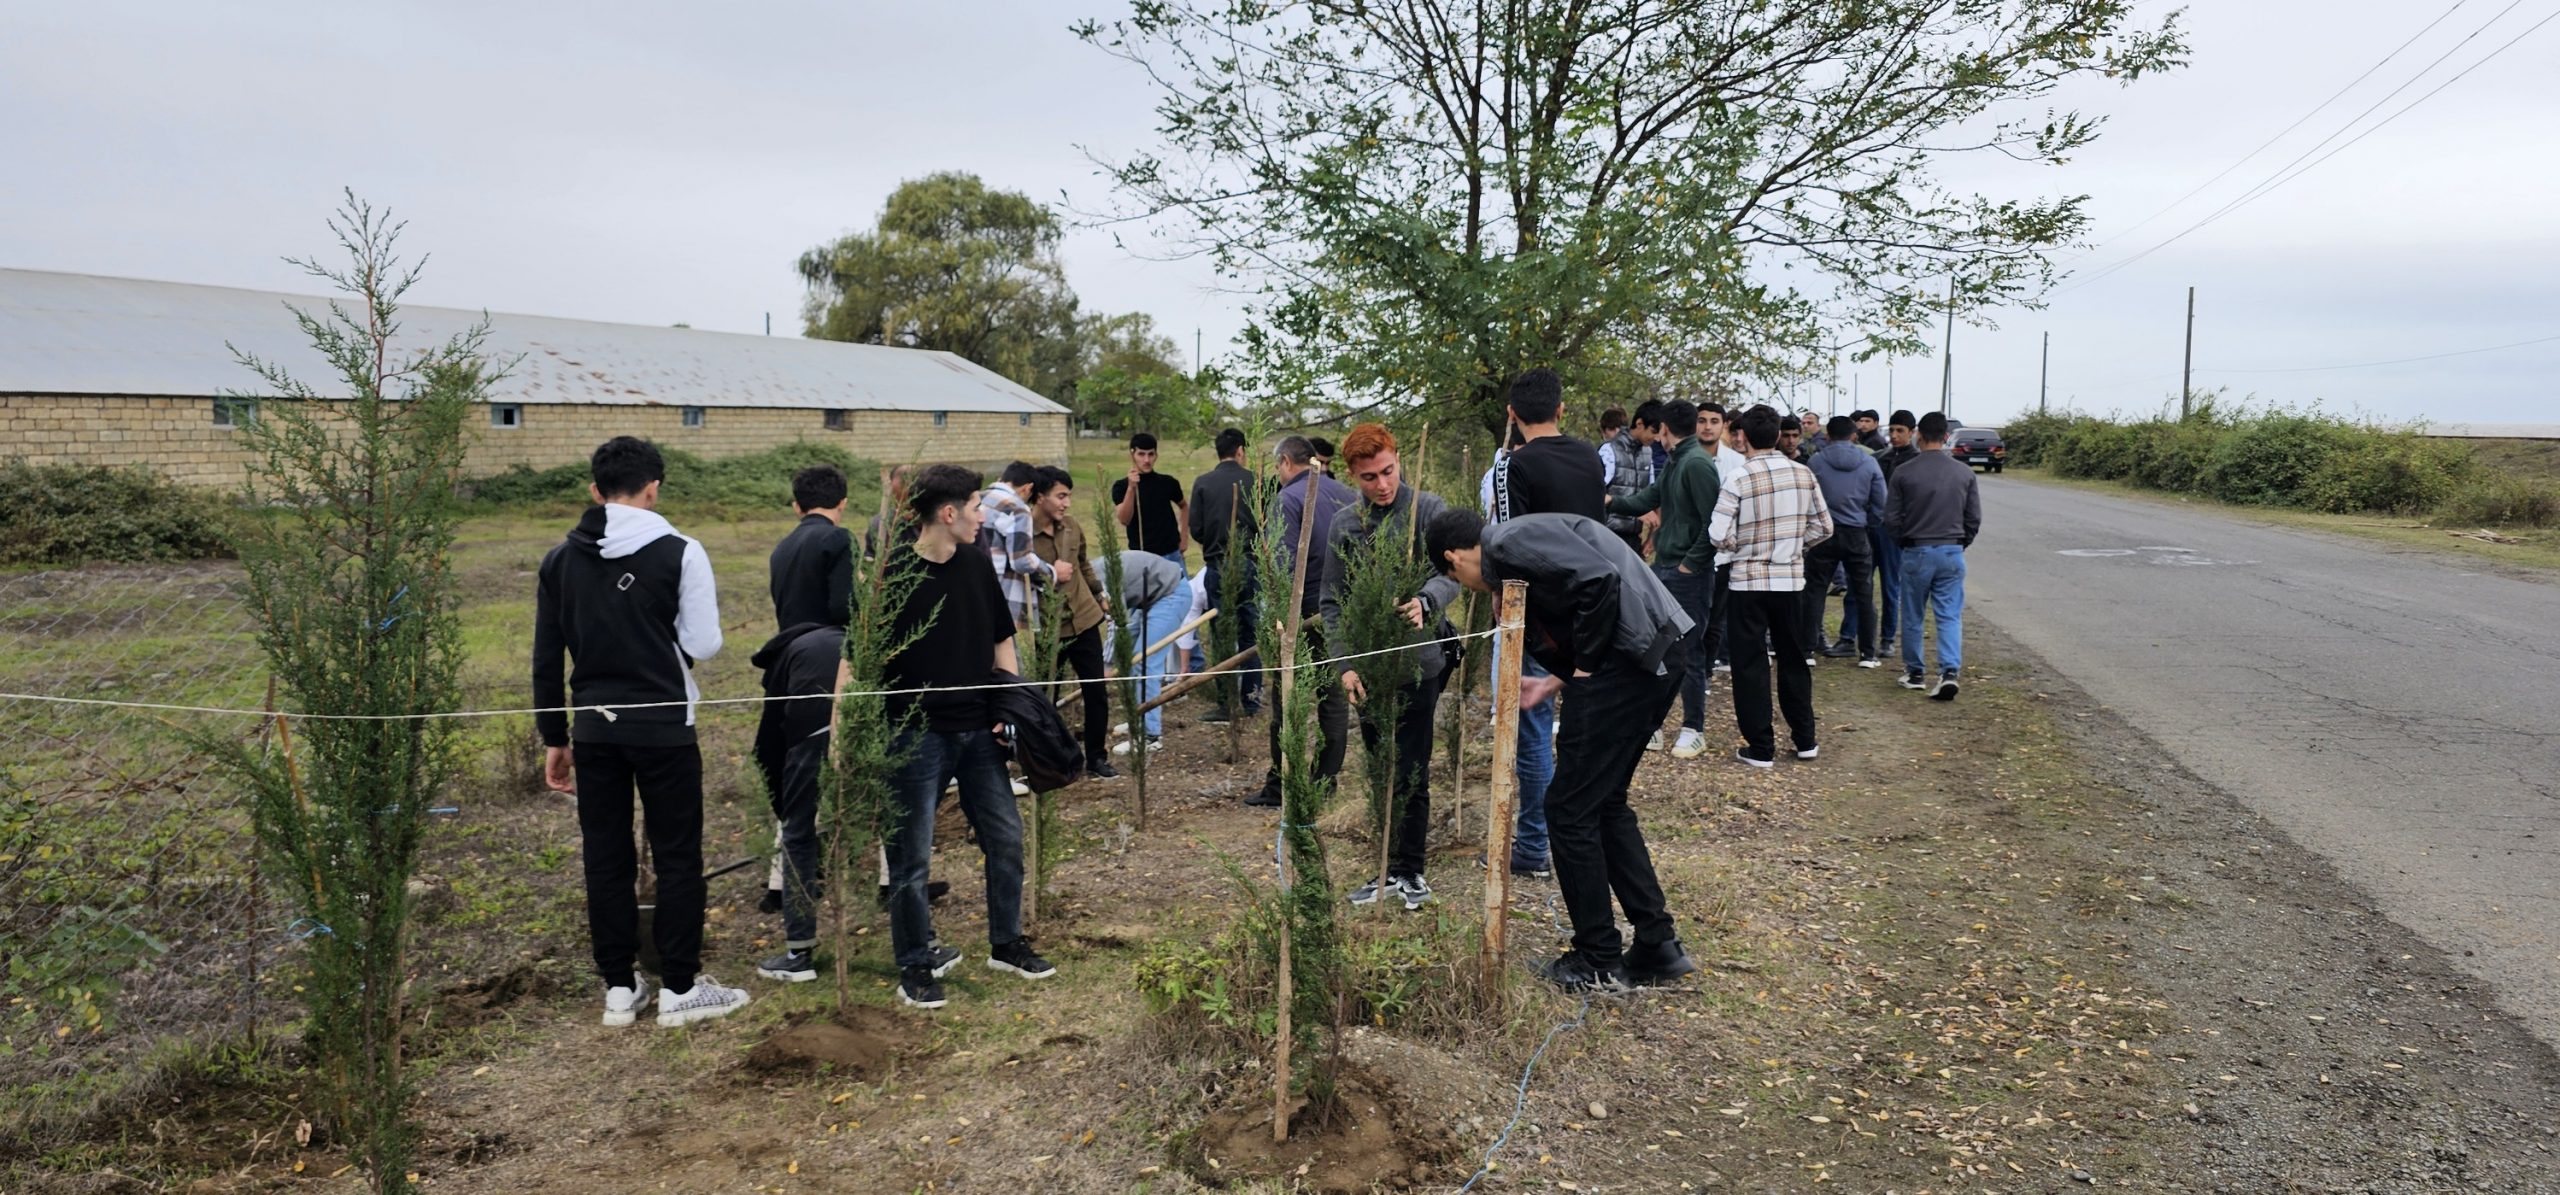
pixel 1608 466
pixel 697 604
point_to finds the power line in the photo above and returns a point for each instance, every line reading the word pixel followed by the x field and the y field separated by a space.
pixel 2288 129
pixel 2281 175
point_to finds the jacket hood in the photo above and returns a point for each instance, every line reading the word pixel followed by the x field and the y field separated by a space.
pixel 1841 455
pixel 771 653
pixel 614 531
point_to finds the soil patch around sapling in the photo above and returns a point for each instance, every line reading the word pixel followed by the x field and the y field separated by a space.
pixel 861 1044
pixel 1369 1141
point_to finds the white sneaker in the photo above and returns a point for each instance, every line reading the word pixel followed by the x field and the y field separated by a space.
pixel 706 1001
pixel 622 1005
pixel 1655 744
pixel 1154 745
pixel 1692 744
pixel 1020 789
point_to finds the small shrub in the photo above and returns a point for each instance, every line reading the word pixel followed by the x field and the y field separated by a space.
pixel 2392 472
pixel 2488 498
pixel 750 483
pixel 2096 449
pixel 2031 438
pixel 2269 460
pixel 2171 455
pixel 76 514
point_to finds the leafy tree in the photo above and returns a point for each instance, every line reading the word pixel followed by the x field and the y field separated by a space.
pixel 355 604
pixel 1434 196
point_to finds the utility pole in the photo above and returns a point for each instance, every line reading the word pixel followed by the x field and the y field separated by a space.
pixel 1947 377
pixel 2044 372
pixel 768 323
pixel 1195 350
pixel 2187 372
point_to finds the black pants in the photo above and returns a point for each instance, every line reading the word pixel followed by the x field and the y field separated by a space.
pixel 1246 623
pixel 669 780
pixel 1084 654
pixel 1771 614
pixel 1413 769
pixel 1591 833
pixel 1718 601
pixel 795 814
pixel 1846 550
pixel 1333 731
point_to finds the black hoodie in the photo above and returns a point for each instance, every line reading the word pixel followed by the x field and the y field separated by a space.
pixel 634 605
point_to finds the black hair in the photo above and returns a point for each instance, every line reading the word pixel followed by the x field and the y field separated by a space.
pixel 1019 473
pixel 1323 447
pixel 1760 429
pixel 1517 438
pixel 818 487
pixel 1536 396
pixel 1455 529
pixel 937 486
pixel 1142 440
pixel 1933 428
pixel 1841 427
pixel 1680 417
pixel 1789 423
pixel 1903 419
pixel 625 465
pixel 1649 412
pixel 1613 419
pixel 1716 407
pixel 1230 442
pixel 1049 477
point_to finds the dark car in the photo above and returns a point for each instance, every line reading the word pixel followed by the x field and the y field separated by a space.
pixel 1980 446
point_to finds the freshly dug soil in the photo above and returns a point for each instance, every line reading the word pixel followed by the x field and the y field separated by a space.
pixel 860 1044
pixel 1370 1142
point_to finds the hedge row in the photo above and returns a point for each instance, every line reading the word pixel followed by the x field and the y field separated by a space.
pixel 2306 459
pixel 758 482
pixel 71 514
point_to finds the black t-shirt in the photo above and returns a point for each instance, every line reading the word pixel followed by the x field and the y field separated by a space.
pixel 1556 475
pixel 1157 528
pixel 969 618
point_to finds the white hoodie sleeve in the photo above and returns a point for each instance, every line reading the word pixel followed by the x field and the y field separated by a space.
pixel 697 604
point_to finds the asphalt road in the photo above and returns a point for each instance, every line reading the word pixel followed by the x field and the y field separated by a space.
pixel 2397 712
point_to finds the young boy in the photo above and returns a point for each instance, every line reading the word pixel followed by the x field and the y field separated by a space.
pixel 966 635
pixel 634 605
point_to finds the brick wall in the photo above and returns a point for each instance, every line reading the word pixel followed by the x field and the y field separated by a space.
pixel 177 436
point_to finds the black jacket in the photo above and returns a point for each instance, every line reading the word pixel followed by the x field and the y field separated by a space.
pixel 800 662
pixel 1592 601
pixel 634 605
pixel 1216 495
pixel 812 572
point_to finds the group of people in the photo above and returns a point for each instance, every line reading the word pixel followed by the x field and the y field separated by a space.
pixel 1744 525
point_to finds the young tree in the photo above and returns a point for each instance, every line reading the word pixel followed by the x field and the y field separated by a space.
pixel 1432 196
pixel 861 806
pixel 354 600
pixel 1310 941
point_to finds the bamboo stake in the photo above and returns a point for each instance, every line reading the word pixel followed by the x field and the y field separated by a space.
pixel 1235 715
pixel 1503 779
pixel 1288 921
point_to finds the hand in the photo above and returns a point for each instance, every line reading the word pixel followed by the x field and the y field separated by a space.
pixel 1352 689
pixel 1581 674
pixel 1412 611
pixel 1652 520
pixel 1065 572
pixel 558 774
pixel 1535 690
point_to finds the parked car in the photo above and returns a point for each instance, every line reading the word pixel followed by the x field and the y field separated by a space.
pixel 1980 446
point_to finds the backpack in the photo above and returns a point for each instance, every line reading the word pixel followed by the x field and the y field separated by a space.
pixel 1049 754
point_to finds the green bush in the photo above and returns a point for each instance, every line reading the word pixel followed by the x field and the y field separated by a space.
pixel 75 514
pixel 2096 449
pixel 754 482
pixel 2395 472
pixel 2171 455
pixel 2269 460
pixel 2031 437
pixel 2486 497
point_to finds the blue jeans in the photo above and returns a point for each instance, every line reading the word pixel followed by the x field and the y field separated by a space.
pixel 1534 763
pixel 1156 622
pixel 1933 580
pixel 1888 555
pixel 933 759
pixel 1696 594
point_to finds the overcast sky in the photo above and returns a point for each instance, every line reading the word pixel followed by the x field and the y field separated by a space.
pixel 656 163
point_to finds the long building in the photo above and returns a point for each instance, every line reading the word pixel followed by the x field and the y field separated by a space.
pixel 121 371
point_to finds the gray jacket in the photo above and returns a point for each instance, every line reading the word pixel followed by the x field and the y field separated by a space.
pixel 1852 483
pixel 1145 579
pixel 1364 519
pixel 1592 601
pixel 1933 500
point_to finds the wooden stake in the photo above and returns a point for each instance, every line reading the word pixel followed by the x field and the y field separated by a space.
pixel 1288 676
pixel 1235 716
pixel 1504 778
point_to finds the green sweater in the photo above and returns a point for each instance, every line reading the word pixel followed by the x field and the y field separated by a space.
pixel 1686 496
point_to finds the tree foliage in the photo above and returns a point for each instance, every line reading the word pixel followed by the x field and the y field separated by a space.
pixel 1434 195
pixel 355 605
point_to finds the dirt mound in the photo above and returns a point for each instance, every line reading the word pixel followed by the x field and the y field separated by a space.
pixel 1369 1142
pixel 473 1002
pixel 862 1043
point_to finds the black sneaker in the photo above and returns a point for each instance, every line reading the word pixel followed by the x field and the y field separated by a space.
pixel 1017 957
pixel 1264 798
pixel 1366 893
pixel 917 988
pixel 1415 890
pixel 1574 973
pixel 770 902
pixel 1840 649
pixel 790 966
pixel 1100 769
pixel 1253 709
pixel 944 959
pixel 1217 716
pixel 1913 680
pixel 1653 966
pixel 1946 690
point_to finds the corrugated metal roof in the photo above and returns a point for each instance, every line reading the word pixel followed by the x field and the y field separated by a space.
pixel 85 334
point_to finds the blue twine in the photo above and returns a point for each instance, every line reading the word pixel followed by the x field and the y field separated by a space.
pixel 395 600
pixel 304 929
pixel 1520 1101
pixel 446 809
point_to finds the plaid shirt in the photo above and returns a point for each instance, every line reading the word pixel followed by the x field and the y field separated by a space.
pixel 1005 536
pixel 1766 518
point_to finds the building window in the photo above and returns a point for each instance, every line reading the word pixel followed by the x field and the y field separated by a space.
pixel 1026 419
pixel 693 416
pixel 506 414
pixel 839 421
pixel 941 418
pixel 234 412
